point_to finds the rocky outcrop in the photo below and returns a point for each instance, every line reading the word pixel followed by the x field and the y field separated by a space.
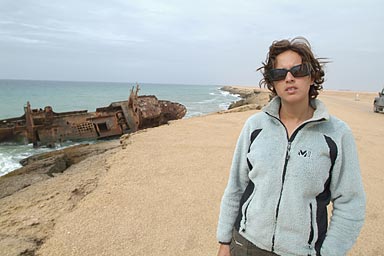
pixel 48 186
pixel 28 216
pixel 43 166
pixel 252 98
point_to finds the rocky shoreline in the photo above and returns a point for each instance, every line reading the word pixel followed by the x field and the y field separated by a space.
pixel 251 98
pixel 48 186
pixel 44 166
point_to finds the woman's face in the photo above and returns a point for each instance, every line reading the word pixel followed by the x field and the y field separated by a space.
pixel 292 90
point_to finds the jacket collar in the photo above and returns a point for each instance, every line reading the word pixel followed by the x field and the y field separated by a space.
pixel 321 112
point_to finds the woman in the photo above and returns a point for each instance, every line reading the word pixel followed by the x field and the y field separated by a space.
pixel 291 160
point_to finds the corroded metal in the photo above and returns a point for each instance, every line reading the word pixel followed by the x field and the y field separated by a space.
pixel 46 127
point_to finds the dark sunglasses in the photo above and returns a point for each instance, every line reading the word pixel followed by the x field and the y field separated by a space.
pixel 278 74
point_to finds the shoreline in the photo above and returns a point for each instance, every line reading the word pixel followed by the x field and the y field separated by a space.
pixel 157 184
pixel 208 99
pixel 232 89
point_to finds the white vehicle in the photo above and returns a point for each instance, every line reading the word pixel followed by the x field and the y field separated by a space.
pixel 378 103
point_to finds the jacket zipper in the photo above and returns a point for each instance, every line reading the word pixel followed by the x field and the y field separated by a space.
pixel 287 156
pixel 290 140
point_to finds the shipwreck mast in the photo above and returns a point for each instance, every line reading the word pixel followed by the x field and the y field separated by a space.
pixel 30 126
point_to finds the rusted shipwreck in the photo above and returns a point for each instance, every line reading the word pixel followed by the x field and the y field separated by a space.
pixel 46 127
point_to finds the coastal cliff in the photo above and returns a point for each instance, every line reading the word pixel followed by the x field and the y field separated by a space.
pixel 50 185
pixel 251 98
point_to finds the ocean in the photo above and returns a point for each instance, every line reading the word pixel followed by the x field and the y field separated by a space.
pixel 68 96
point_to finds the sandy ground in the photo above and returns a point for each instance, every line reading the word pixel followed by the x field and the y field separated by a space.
pixel 160 195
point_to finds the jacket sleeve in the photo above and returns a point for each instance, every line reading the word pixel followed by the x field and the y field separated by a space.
pixel 238 180
pixel 348 198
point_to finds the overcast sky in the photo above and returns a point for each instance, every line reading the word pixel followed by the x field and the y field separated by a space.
pixel 190 42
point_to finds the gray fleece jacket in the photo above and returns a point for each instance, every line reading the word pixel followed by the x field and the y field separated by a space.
pixel 279 187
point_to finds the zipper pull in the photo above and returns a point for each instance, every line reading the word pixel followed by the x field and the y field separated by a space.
pixel 288 151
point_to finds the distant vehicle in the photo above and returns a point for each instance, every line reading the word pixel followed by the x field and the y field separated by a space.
pixel 378 103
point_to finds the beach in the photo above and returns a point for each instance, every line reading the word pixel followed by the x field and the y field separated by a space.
pixel 158 191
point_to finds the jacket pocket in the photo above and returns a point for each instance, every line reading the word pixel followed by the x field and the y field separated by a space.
pixel 248 203
pixel 245 215
pixel 310 239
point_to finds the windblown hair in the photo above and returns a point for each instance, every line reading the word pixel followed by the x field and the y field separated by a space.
pixel 301 46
